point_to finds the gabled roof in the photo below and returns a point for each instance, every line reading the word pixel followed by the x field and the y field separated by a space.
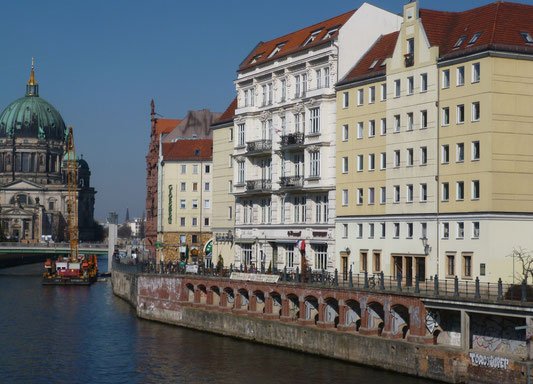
pixel 195 125
pixel 164 126
pixel 228 115
pixel 370 64
pixel 500 24
pixel 188 150
pixel 294 42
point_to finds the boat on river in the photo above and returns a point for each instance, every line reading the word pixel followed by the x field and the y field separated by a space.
pixel 83 271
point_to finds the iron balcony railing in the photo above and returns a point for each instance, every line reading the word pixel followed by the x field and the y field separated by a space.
pixel 259 146
pixel 291 181
pixel 259 185
pixel 292 139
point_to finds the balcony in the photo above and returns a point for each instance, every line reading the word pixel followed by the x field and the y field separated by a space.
pixel 261 185
pixel 288 182
pixel 409 59
pixel 292 139
pixel 258 147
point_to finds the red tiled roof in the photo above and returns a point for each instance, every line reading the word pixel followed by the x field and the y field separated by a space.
pixel 166 125
pixel 294 41
pixel 499 23
pixel 381 50
pixel 201 149
pixel 228 114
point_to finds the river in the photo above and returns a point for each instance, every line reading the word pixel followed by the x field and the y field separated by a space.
pixel 87 335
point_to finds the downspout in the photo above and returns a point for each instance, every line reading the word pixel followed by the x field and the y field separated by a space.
pixel 437 177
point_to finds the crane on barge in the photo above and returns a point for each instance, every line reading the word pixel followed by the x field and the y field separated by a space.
pixel 76 269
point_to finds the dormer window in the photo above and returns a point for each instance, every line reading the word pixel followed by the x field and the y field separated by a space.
pixel 459 41
pixel 373 64
pixel 255 58
pixel 527 37
pixel 276 50
pixel 474 38
pixel 312 37
pixel 330 33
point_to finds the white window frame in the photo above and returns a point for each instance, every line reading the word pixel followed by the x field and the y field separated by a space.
pixel 423 82
pixel 371 162
pixel 459 191
pixel 360 128
pixel 410 157
pixel 423 155
pixel 475 190
pixel 360 196
pixel 423 119
pixel 445 191
pixel 397 88
pixel 371 196
pixel 360 96
pixel 371 95
pixel 371 128
pixel 476 73
pixel 460 73
pixel 345 164
pixel 344 197
pixel 383 126
pixel 396 195
pixel 460 153
pixel 445 116
pixel 409 193
pixel 460 114
pixel 345 99
pixel 314 162
pixel 345 132
pixel 314 120
pixel 383 195
pixel 397 123
pixel 410 85
pixel 445 153
pixel 383 91
pixel 476 111
pixel 476 150
pixel 445 78
pixel 423 192
pixel 383 161
pixel 397 158
pixel 360 163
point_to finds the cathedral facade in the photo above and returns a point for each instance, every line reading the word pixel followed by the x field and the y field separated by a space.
pixel 33 182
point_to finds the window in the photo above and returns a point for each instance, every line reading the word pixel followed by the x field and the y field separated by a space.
pixel 230 161
pixel 230 213
pixel 289 254
pixel 345 132
pixel 230 134
pixel 475 230
pixel 383 92
pixel 409 193
pixel 194 224
pixel 371 230
pixel 283 90
pixel 345 99
pixel 445 191
pixel 423 155
pixel 301 85
pixel 383 230
pixel 315 163
pixel 207 204
pixel 445 230
pixel 396 230
pixel 267 94
pixel 240 172
pixel 359 231
pixel 182 221
pixel 451 265
pixel 230 186
pixel 207 168
pixel 312 37
pixel 183 169
pixel 360 96
pixel 345 231
pixel 476 72
pixel 371 95
pixel 195 203
pixel 315 120
pixel 474 38
pixel 182 204
pixel 249 97
pixel 207 186
pixel 460 41
pixel 445 154
pixel 409 230
pixel 410 85
pixel 345 165
pixel 360 163
pixel 423 119
pixel 364 261
pixel 247 212
pixel 383 160
pixel 460 152
pixel 475 190
pixel 396 190
pixel 397 123
pixel 371 196
pixel 423 82
pixel 460 76
pixel 460 230
pixel 397 158
pixel 241 142
pixel 423 229
pixel 410 121
pixel 266 211
pixel 372 128
pixel 410 157
pixel 246 254
pixel 383 126
pixel 360 130
pixel 183 187
pixel 459 190
pixel 377 261
pixel 344 197
pixel 300 215
pixel 194 187
pixel 299 119
pixel 460 114
pixel 475 150
pixel 397 88
pixel 206 221
pixel 446 78
pixel 360 196
pixel 382 195
pixel 467 265
pixel 445 116
pixel 371 162
pixel 527 37
pixel 476 111
pixel 423 192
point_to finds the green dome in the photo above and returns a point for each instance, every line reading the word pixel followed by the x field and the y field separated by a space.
pixel 32 117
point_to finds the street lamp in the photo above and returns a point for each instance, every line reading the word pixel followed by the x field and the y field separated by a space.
pixel 427 247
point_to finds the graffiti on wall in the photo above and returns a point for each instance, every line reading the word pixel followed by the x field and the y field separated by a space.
pixel 495 362
pixel 498 334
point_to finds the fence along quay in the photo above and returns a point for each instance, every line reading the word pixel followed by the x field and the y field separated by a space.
pixel 447 330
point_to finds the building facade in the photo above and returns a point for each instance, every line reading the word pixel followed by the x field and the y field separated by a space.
pixel 284 141
pixel 431 135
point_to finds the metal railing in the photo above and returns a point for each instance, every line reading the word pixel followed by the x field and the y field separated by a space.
pixel 291 181
pixel 259 185
pixel 259 146
pixel 292 139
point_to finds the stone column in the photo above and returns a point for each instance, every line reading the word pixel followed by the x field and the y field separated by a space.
pixel 465 330
pixel 209 300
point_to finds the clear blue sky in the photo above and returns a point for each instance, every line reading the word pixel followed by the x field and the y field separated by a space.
pixel 100 62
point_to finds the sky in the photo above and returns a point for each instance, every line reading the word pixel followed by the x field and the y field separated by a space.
pixel 100 62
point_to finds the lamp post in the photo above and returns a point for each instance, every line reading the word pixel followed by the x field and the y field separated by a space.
pixel 427 248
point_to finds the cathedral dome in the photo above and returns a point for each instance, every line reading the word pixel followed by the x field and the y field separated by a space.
pixel 32 117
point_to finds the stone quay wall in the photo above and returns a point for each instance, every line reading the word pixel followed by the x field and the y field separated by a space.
pixel 223 306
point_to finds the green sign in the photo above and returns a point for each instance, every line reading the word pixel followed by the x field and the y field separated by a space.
pixel 208 247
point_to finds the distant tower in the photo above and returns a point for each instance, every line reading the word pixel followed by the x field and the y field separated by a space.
pixel 127 215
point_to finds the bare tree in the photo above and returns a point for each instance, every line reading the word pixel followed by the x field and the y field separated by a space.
pixel 525 261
